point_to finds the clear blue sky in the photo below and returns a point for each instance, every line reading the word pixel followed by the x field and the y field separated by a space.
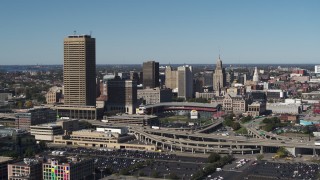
pixel 168 31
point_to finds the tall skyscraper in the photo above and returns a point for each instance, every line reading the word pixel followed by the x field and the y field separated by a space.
pixel 219 76
pixel 185 82
pixel 150 74
pixel 79 70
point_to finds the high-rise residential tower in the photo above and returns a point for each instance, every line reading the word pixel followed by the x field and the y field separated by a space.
pixel 219 76
pixel 150 74
pixel 79 70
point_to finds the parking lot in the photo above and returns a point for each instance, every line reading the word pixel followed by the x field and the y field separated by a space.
pixel 109 161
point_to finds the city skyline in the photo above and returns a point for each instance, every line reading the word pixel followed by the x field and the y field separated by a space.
pixel 175 32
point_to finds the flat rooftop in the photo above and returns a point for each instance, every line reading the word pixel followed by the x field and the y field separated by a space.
pixel 5 159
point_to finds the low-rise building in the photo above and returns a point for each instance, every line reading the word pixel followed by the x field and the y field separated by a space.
pixel 155 95
pixel 4 161
pixel 92 138
pixel 205 95
pixel 71 168
pixel 78 112
pixel 284 108
pixel 34 116
pixel 53 95
pixel 45 132
pixel 28 169
pixel 256 109
pixel 119 130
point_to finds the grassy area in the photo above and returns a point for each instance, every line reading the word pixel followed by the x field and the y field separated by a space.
pixel 174 118
pixel 184 119
pixel 242 130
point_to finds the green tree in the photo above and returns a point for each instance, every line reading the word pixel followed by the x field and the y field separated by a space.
pixel 42 145
pixel 282 152
pixel 29 152
pixel 228 122
pixel 260 157
pixel 173 176
pixel 155 174
pixel 236 126
pixel 124 171
pixel 214 157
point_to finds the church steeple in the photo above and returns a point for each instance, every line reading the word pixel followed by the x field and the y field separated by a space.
pixel 255 75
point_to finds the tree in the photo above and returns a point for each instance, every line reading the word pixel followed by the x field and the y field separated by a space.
pixel 173 176
pixel 155 174
pixel 228 122
pixel 28 104
pixel 42 145
pixel 124 171
pixel 260 157
pixel 282 152
pixel 236 126
pixel 29 152
pixel 214 157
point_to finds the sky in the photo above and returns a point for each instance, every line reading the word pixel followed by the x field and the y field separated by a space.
pixel 167 31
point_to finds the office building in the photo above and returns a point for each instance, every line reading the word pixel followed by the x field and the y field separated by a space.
pixel 71 168
pixel 185 82
pixel 155 95
pixel 150 74
pixel 170 77
pixel 219 76
pixel 54 95
pixel 28 117
pixel 122 95
pixel 79 70
pixel 45 132
pixel 28 169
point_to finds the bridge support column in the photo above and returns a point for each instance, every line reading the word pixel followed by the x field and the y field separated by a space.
pixel 251 152
pixel 192 150
pixel 171 147
pixel 181 149
pixel 261 149
pixel 242 152
pixel 204 151
pixel 162 145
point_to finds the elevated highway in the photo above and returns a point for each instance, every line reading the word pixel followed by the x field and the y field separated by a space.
pixel 198 142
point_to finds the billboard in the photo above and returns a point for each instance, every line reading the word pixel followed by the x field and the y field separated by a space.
pixel 194 114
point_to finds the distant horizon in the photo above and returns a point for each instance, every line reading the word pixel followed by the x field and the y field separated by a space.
pixel 171 64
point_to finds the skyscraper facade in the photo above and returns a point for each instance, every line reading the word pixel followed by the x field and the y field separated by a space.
pixel 150 74
pixel 171 78
pixel 122 95
pixel 79 70
pixel 185 82
pixel 219 76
